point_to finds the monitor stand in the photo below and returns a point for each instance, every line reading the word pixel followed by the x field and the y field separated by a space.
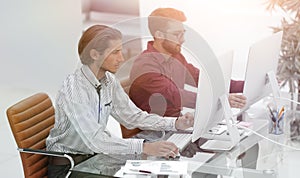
pixel 225 145
pixel 230 120
pixel 271 78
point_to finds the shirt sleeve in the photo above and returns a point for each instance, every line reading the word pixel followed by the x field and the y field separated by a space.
pixel 192 75
pixel 85 127
pixel 129 115
pixel 236 86
pixel 188 98
pixel 152 83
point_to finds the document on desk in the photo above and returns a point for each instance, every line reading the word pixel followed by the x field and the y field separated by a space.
pixel 155 167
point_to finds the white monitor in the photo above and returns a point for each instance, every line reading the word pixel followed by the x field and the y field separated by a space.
pixel 262 59
pixel 225 61
pixel 212 107
pixel 209 110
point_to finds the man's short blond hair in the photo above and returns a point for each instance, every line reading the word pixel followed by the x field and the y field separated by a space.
pixel 158 19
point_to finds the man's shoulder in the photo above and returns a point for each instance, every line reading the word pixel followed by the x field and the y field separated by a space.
pixel 146 58
pixel 144 55
pixel 144 63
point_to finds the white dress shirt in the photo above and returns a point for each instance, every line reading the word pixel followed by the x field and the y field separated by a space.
pixel 80 121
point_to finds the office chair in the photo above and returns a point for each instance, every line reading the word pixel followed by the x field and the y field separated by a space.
pixel 128 133
pixel 31 120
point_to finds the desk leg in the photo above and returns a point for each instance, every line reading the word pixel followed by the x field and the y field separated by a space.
pixel 250 158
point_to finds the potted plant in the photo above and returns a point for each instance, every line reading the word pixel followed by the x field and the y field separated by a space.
pixel 289 60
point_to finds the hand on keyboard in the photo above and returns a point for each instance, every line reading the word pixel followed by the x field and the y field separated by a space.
pixel 181 140
pixel 160 148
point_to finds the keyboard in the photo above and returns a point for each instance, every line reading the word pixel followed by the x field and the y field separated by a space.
pixel 180 139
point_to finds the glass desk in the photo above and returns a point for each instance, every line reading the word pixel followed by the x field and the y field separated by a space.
pixel 111 166
pixel 278 156
pixel 201 164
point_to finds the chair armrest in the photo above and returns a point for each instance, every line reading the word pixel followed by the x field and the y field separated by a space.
pixel 49 153
pixel 42 152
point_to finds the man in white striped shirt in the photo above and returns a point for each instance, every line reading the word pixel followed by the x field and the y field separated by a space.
pixel 90 95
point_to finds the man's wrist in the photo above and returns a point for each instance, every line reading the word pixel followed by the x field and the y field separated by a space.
pixel 176 123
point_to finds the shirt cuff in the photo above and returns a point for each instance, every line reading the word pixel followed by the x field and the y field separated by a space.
pixel 173 121
pixel 137 145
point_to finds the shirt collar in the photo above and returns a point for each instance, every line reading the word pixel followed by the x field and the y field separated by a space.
pixel 92 78
pixel 159 57
pixel 89 75
pixel 155 54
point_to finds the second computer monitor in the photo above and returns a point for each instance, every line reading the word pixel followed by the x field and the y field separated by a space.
pixel 263 58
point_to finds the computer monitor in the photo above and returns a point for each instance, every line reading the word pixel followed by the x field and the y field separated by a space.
pixel 209 111
pixel 211 85
pixel 212 106
pixel 260 80
pixel 225 61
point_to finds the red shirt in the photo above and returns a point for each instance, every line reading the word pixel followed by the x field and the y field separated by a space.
pixel 158 82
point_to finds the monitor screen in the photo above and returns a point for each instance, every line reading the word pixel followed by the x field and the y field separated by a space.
pixel 263 58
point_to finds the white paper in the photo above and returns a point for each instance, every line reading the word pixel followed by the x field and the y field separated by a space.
pixel 155 167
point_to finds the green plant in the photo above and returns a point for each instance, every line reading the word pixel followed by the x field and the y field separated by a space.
pixel 289 61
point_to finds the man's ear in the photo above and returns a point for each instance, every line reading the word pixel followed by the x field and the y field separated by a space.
pixel 94 54
pixel 159 35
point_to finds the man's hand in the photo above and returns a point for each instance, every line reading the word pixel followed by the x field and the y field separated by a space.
pixel 160 148
pixel 185 121
pixel 237 100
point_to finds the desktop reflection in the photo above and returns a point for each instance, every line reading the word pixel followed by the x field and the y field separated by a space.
pixel 106 164
pixel 110 164
pixel 194 147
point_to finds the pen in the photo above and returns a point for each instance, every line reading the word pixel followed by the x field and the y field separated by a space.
pixel 280 112
pixel 272 114
pixel 141 171
pixel 279 120
pixel 281 117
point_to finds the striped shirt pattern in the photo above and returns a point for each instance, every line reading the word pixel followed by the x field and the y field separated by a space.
pixel 80 124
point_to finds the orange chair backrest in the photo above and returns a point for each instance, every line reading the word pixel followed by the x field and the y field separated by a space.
pixel 31 120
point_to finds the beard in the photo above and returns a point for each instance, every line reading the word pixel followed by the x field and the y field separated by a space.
pixel 171 47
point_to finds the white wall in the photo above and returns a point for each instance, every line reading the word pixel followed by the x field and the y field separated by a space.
pixel 225 25
pixel 39 38
pixel 38 42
